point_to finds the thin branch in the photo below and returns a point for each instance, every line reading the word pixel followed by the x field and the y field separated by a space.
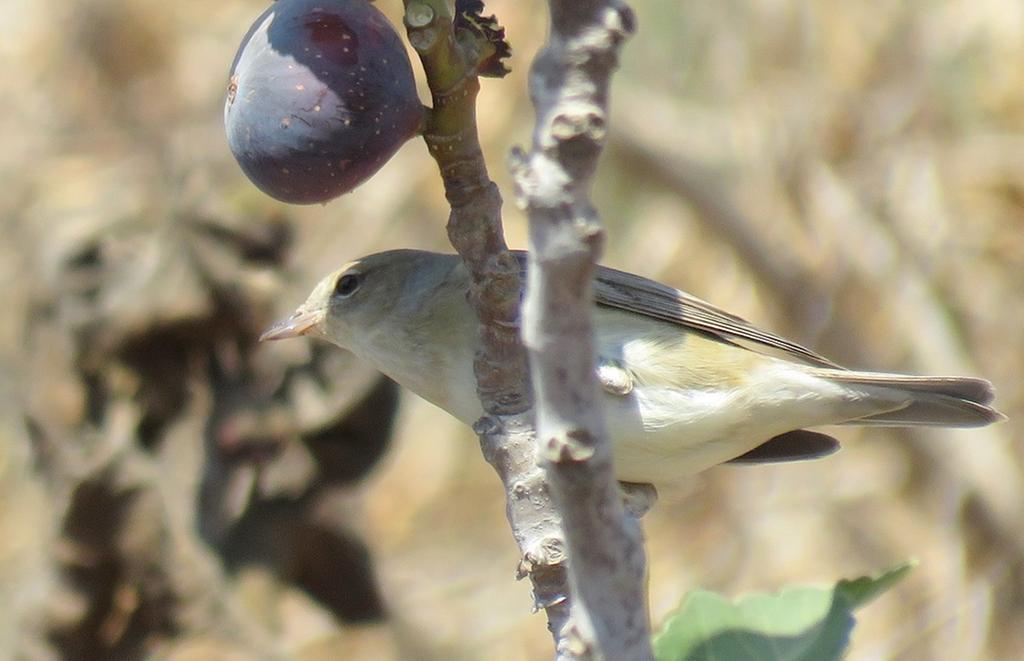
pixel 475 229
pixel 569 85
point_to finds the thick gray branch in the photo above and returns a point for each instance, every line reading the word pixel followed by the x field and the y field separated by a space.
pixel 569 85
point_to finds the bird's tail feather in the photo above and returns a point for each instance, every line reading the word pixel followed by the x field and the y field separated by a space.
pixel 943 401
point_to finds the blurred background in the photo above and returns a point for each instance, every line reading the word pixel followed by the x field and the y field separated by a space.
pixel 848 174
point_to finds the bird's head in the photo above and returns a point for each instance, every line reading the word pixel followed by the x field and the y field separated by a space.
pixel 378 294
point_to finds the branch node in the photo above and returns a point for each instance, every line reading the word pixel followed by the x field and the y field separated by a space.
pixel 486 426
pixel 590 232
pixel 517 161
pixel 547 552
pixel 579 121
pixel 418 15
pixel 638 498
pixel 422 40
pixel 554 600
pixel 573 644
pixel 520 489
pixel 620 21
pixel 576 445
pixel 614 378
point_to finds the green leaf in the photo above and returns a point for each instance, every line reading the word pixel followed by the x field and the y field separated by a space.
pixel 796 624
pixel 859 591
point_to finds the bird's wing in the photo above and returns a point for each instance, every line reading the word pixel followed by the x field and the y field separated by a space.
pixel 639 295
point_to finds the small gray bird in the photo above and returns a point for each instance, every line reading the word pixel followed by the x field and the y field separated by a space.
pixel 687 385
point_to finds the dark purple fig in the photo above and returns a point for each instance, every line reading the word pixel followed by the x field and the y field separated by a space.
pixel 321 96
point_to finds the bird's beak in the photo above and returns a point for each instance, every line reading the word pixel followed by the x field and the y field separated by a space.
pixel 302 322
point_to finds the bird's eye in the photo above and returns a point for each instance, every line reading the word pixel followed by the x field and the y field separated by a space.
pixel 347 285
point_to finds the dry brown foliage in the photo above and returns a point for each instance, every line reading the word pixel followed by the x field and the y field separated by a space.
pixel 850 174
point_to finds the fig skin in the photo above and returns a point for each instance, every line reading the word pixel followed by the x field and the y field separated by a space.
pixel 321 95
